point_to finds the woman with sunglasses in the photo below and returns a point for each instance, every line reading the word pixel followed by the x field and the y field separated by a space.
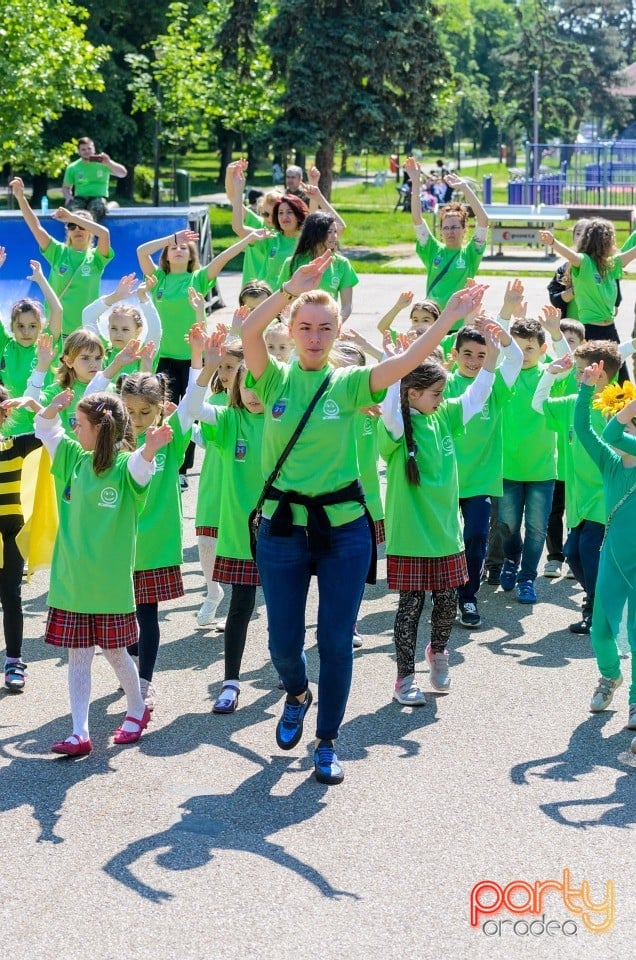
pixel 453 260
pixel 285 220
pixel 77 264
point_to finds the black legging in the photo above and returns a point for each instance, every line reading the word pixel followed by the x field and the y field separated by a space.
pixel 407 621
pixel 242 604
pixel 147 646
pixel 178 372
pixel 608 331
pixel 11 586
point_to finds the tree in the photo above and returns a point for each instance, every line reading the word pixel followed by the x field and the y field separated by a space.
pixel 39 78
pixel 360 73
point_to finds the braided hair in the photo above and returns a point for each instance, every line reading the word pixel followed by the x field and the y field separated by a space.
pixel 149 386
pixel 425 375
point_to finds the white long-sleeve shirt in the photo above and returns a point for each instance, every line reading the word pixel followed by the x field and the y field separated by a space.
pixel 473 400
pixel 93 313
pixel 101 384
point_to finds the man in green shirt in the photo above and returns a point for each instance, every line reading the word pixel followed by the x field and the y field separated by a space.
pixel 85 184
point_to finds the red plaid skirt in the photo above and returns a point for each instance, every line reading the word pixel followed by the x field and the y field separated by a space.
pixel 380 533
pixel 207 532
pixel 426 573
pixel 154 586
pixel 82 630
pixel 242 572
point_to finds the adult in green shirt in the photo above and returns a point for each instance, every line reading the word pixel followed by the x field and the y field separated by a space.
pixel 453 260
pixel 77 264
pixel 85 183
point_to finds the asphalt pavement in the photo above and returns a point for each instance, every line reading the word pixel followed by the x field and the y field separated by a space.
pixel 204 840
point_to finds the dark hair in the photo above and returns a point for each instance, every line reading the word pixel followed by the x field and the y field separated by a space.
pixel 312 236
pixel 26 306
pixel 471 334
pixel 84 141
pixel 233 349
pixel 593 351
pixel 193 260
pixel 528 330
pixel 424 376
pixel 254 195
pixel 107 412
pixel 573 326
pixel 429 305
pixel 254 288
pixel 299 209
pixel 599 242
pixel 147 386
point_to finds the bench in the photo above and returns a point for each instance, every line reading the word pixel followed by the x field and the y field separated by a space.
pixel 615 214
pixel 521 223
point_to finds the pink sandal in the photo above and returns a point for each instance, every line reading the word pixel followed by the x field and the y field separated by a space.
pixel 132 736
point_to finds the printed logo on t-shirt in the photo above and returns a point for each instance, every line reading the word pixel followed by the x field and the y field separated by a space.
pixel 367 429
pixel 571 435
pixel 437 261
pixel 66 496
pixel 160 461
pixel 597 278
pixel 448 446
pixel 159 294
pixel 330 410
pixel 86 270
pixel 108 497
pixel 72 421
pixel 63 267
pixel 485 411
pixel 240 450
pixel 273 252
pixel 334 283
pixel 279 408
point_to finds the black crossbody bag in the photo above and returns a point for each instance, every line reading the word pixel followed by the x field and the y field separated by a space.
pixel 257 513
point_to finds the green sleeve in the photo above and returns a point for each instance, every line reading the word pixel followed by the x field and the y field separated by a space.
pixel 614 434
pixel 591 442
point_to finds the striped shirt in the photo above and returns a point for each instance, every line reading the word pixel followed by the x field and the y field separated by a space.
pixel 13 450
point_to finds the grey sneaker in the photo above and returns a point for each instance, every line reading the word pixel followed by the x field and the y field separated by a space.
pixel 552 568
pixel 406 691
pixel 438 662
pixel 631 722
pixel 604 693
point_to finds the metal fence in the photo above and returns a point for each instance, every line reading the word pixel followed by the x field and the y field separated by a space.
pixel 601 173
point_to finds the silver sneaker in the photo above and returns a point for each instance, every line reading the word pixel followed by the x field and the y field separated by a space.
pixel 406 691
pixel 631 723
pixel 552 568
pixel 438 662
pixel 604 693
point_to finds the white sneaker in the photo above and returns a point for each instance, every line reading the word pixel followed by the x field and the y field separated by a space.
pixel 631 722
pixel 357 639
pixel 438 662
pixel 148 693
pixel 207 612
pixel 604 693
pixel 552 569
pixel 406 691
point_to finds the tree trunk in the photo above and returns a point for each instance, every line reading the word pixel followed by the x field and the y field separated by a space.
pixel 344 156
pixel 40 186
pixel 125 188
pixel 299 160
pixel 226 145
pixel 324 161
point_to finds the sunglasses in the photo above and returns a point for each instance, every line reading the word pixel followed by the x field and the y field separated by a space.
pixel 74 226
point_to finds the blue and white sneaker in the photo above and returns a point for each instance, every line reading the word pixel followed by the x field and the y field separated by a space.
pixel 508 575
pixel 14 676
pixel 326 765
pixel 289 728
pixel 526 592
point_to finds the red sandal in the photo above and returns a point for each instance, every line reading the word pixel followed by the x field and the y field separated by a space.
pixel 132 736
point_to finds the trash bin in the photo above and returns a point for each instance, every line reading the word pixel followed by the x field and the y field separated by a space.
pixel 487 188
pixel 182 186
pixel 515 192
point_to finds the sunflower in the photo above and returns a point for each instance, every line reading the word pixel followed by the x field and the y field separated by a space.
pixel 614 397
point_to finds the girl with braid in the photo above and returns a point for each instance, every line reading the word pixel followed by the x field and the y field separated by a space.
pixel 159 554
pixel 425 546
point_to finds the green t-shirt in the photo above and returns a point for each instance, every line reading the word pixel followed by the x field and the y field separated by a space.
pixel 630 243
pixel 594 294
pixel 583 482
pixel 367 447
pixel 76 277
pixel 424 520
pixel 87 179
pixel 563 388
pixel 238 438
pixel 464 264
pixel 170 297
pixel 479 449
pixel 338 276
pixel 255 254
pixel 94 553
pixel 529 446
pixel 159 541
pixel 324 457
pixel 16 365
pixel 211 478
pixel 265 258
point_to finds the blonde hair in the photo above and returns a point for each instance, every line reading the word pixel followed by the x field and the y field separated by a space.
pixel 318 298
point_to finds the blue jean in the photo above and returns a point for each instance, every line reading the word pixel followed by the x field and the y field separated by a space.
pixel 583 551
pixel 476 514
pixel 286 565
pixel 529 501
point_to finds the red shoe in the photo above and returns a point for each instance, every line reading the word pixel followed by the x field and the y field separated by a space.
pixel 132 736
pixel 74 746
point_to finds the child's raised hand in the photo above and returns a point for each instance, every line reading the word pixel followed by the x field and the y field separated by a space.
pixel 491 336
pixel 452 180
pixel 145 287
pixel 503 337
pixel 156 438
pixel 197 302
pixel 313 175
pixel 512 297
pixel 214 349
pixel 17 187
pixel 147 357
pixel 308 276
pixel 238 178
pixel 551 320
pixel 561 365
pixel 128 354
pixel 196 338
pixel 21 403
pixel 61 401
pixel 125 287
pixel 412 167
pixel 546 237
pixel 239 317
pixel 627 413
pixel 465 302
pixel 36 275
pixel 592 373
pixel 45 351
pixel 404 300
pixel 388 347
pixel 169 408
pixel 3 256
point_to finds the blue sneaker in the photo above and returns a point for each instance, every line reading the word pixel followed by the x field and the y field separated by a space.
pixel 526 592
pixel 289 728
pixel 326 765
pixel 508 575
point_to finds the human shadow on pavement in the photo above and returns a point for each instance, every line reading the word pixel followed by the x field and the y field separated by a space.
pixel 586 752
pixel 42 782
pixel 241 821
pixel 552 650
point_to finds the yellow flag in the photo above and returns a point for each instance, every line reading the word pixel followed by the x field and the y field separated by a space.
pixel 39 506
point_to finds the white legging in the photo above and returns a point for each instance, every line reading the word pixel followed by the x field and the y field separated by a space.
pixel 207 555
pixel 79 684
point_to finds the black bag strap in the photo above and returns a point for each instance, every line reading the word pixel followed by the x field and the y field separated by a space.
pixel 292 440
pixel 443 272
